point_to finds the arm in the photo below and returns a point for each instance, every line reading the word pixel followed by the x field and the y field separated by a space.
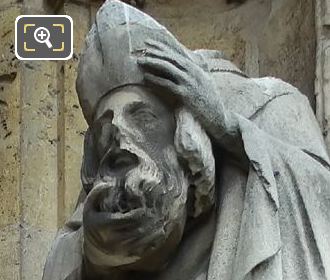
pixel 277 107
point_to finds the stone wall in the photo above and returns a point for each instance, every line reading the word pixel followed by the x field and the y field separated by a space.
pixel 263 37
pixel 42 128
pixel 322 82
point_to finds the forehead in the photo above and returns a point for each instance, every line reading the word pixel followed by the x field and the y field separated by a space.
pixel 120 99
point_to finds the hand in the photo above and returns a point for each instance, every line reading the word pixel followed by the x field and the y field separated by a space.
pixel 105 232
pixel 113 238
pixel 169 66
pixel 173 69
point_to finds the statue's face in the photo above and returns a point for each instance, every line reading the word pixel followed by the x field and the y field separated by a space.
pixel 138 203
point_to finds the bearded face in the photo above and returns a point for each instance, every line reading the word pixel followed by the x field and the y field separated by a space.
pixel 138 190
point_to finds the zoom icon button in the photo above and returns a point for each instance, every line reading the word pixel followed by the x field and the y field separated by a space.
pixel 43 37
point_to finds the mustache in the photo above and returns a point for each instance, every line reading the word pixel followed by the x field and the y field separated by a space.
pixel 138 189
pixel 149 185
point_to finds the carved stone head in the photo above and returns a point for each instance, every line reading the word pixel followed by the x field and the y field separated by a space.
pixel 148 165
pixel 147 168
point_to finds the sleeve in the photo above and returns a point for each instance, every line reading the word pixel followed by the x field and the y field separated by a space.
pixel 64 261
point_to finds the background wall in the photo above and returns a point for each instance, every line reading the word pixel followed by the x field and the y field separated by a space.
pixel 41 124
pixel 322 81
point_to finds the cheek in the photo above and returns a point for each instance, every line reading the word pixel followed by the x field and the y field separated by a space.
pixel 160 136
pixel 176 188
pixel 154 143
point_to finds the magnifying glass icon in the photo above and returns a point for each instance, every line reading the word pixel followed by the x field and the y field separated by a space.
pixel 41 35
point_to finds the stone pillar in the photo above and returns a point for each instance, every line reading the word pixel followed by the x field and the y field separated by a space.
pixel 322 82
pixel 74 125
pixel 41 138
pixel 38 170
pixel 9 144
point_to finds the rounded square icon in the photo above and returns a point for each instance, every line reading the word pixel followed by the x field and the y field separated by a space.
pixel 43 37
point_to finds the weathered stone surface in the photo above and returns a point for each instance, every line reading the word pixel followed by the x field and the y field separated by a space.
pixel 39 144
pixel 34 6
pixel 8 60
pixel 36 244
pixel 9 148
pixel 282 34
pixel 322 85
pixel 93 10
pixel 326 89
pixel 287 44
pixel 326 19
pixel 10 252
pixel 74 126
pixel 39 182
pixel 5 4
pixel 207 24
pixel 9 152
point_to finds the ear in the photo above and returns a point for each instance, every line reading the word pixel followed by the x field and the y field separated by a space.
pixel 90 162
pixel 194 147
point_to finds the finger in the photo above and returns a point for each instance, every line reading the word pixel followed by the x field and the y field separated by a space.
pixel 95 219
pixel 166 46
pixel 160 82
pixel 171 46
pixel 154 45
pixel 167 56
pixel 161 68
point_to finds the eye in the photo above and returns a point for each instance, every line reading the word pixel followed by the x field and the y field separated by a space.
pixel 142 115
pixel 145 115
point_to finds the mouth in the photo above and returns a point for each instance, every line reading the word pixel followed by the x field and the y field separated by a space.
pixel 117 207
pixel 120 201
pixel 128 217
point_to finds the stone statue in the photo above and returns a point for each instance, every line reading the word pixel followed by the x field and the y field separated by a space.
pixel 191 169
